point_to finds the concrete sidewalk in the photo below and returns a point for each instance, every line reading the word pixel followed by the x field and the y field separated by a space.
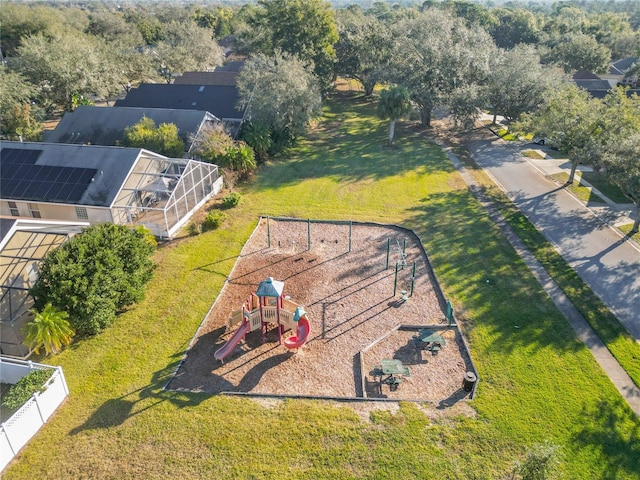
pixel 585 333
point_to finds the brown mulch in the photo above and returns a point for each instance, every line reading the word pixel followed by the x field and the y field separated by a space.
pixel 349 298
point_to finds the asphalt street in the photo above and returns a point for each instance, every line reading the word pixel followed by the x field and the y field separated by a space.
pixel 606 261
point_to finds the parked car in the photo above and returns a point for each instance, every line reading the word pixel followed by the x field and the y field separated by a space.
pixel 546 142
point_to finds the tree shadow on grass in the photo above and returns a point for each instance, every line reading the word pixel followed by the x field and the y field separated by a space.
pixel 614 433
pixel 115 411
pixel 476 262
pixel 349 146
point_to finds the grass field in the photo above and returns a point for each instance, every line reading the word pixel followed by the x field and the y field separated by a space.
pixel 538 383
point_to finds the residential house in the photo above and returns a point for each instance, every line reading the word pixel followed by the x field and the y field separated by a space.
pixel 618 73
pixel 220 100
pixel 97 184
pixel 89 125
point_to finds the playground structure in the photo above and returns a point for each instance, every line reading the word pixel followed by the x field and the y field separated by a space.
pixel 344 273
pixel 267 306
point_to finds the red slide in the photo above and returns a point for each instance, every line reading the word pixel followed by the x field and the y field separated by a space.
pixel 301 336
pixel 228 347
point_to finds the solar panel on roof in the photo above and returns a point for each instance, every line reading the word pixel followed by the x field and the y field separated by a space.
pixel 19 155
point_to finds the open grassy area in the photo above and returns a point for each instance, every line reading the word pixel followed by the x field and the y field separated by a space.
pixel 538 383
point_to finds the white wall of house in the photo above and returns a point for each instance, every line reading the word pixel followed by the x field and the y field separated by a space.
pixel 56 211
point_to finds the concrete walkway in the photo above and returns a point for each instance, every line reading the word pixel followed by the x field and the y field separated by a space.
pixel 585 333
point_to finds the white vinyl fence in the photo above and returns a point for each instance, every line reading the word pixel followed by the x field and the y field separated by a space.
pixel 18 430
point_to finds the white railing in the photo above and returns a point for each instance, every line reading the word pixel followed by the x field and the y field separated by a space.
pixel 24 423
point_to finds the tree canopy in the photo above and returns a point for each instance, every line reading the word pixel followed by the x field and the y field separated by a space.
pixel 163 139
pixel 280 91
pixel 304 28
pixel 95 275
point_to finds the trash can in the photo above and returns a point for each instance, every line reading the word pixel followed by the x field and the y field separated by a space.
pixel 469 381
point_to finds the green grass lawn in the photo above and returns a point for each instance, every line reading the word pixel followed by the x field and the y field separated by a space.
pixel 584 193
pixel 611 191
pixel 538 383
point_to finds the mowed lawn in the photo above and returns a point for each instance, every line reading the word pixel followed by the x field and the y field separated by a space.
pixel 538 383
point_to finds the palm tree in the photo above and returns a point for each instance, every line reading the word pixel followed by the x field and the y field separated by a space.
pixel 50 329
pixel 394 103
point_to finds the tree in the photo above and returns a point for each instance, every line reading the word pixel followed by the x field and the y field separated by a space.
pixel 572 120
pixel 215 145
pixel 95 275
pixel 18 118
pixel 394 103
pixel 518 82
pixel 185 46
pixel 622 166
pixel 20 21
pixel 281 92
pixel 49 329
pixel 577 51
pixel 435 54
pixel 363 48
pixel 540 463
pixel 73 63
pixel 163 139
pixel 304 28
pixel 513 27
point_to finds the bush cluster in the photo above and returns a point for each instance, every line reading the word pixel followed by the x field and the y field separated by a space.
pixel 213 220
pixel 23 390
pixel 231 200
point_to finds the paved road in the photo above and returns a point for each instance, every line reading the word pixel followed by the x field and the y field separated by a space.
pixel 605 260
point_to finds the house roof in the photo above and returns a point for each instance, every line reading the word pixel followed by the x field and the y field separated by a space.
pixel 207 78
pixel 233 66
pixel 216 99
pixel 596 88
pixel 585 75
pixel 620 67
pixel 62 173
pixel 106 125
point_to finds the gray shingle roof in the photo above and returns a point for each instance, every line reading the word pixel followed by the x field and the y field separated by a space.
pixel 219 100
pixel 106 125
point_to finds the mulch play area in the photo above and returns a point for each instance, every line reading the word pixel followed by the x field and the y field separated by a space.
pixel 338 272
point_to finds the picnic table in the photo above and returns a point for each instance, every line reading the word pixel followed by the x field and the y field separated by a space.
pixel 391 372
pixel 431 340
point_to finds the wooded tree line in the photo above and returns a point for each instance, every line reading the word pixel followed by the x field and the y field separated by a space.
pixel 449 53
pixel 59 56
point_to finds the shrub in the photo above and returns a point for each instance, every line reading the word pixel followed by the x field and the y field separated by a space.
pixel 231 200
pixel 95 275
pixel 195 228
pixel 23 390
pixel 213 220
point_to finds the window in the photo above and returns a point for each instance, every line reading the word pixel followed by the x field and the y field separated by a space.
pixel 13 208
pixel 35 211
pixel 81 213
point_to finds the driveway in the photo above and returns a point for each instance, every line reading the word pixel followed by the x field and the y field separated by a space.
pixel 604 259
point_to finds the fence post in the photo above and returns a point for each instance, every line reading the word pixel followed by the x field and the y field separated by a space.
pixel 388 248
pixel 350 227
pixel 395 280
pixel 268 234
pixel 308 234
pixel 413 278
